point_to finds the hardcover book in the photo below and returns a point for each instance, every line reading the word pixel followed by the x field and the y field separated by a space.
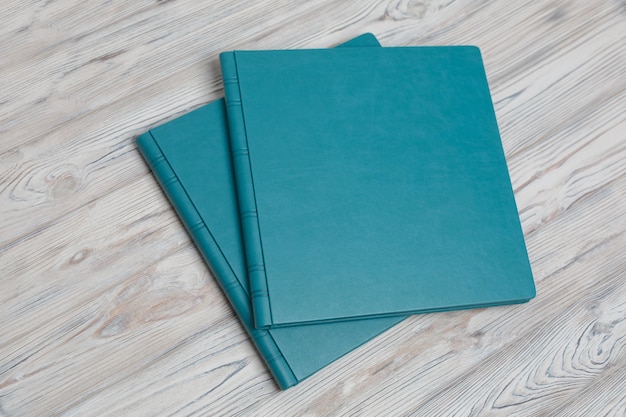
pixel 190 158
pixel 371 182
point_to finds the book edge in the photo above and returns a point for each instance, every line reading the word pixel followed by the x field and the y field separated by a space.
pixel 244 184
pixel 214 257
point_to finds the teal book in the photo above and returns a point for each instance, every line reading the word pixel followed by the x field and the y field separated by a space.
pixel 371 182
pixel 190 158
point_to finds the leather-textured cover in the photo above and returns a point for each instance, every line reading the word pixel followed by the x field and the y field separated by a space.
pixel 371 182
pixel 190 158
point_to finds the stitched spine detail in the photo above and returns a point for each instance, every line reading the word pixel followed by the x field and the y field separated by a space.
pixel 214 257
pixel 245 193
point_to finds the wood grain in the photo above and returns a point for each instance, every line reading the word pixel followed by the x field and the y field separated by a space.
pixel 107 309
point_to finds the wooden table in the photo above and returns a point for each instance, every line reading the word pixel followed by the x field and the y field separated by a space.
pixel 106 308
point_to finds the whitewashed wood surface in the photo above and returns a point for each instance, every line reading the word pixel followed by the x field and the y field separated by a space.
pixel 106 308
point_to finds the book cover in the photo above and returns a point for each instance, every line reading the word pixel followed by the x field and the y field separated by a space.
pixel 371 182
pixel 190 158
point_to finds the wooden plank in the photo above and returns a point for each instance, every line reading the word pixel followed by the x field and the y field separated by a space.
pixel 557 360
pixel 606 396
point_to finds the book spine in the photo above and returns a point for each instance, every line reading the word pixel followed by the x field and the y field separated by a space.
pixel 213 256
pixel 245 193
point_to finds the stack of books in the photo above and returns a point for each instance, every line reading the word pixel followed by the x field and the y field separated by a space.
pixel 336 191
